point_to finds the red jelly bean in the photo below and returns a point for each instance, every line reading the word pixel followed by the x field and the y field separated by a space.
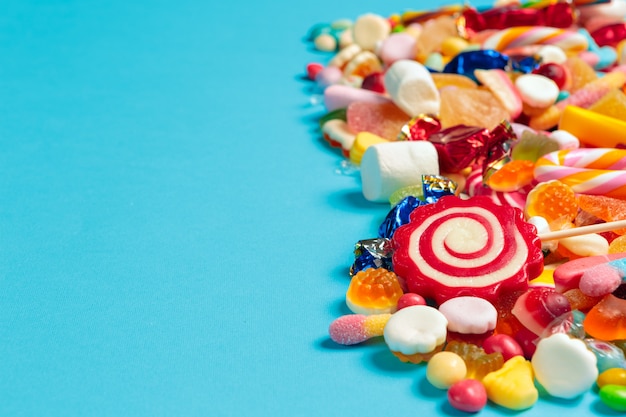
pixel 504 344
pixel 553 71
pixel 468 395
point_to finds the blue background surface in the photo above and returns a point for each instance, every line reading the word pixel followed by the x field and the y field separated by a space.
pixel 175 239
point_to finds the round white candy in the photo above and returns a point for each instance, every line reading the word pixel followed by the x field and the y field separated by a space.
pixel 551 53
pixel 469 315
pixel 370 29
pixel 415 329
pixel 564 366
pixel 537 90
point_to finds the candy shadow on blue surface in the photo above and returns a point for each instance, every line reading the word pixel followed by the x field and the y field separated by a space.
pixel 328 344
pixel 598 407
pixel 339 308
pixel 381 359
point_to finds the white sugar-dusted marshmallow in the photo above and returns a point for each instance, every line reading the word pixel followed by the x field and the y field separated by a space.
pixel 410 85
pixel 386 167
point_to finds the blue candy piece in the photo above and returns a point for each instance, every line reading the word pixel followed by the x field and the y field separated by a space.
pixel 399 215
pixel 465 63
pixel 372 253
pixel 608 355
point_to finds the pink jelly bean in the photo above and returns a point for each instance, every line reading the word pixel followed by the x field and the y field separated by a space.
pixel 468 395
pixel 328 76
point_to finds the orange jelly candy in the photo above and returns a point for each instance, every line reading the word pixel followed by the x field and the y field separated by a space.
pixel 553 201
pixel 512 176
pixel 607 319
pixel 606 208
pixel 374 291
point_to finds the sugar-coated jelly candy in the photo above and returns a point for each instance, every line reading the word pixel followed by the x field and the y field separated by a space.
pixel 356 328
pixel 414 334
pixel 478 362
pixel 512 386
pixel 607 319
pixel 382 119
pixel 445 369
pixel 373 291
pixel 564 366
pixel 552 200
pixel 539 307
pixel 474 247
pixel 468 395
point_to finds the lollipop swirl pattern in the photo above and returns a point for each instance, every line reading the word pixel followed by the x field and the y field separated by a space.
pixel 466 247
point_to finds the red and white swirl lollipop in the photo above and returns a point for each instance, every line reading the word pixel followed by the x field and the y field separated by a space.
pixel 458 247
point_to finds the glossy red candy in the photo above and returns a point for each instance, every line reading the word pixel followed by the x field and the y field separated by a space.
pixel 457 247
pixel 539 307
pixel 553 71
pixel 468 395
pixel 610 35
pixel 504 344
pixel 374 82
pixel 410 299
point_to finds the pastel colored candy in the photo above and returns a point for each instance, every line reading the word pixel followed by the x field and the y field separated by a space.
pixel 415 329
pixel 564 366
pixel 604 278
pixel 444 369
pixel 412 88
pixel 352 329
pixel 370 29
pixel 537 90
pixel 469 315
pixel 567 275
pixel 396 47
pixel 338 96
pixel 387 167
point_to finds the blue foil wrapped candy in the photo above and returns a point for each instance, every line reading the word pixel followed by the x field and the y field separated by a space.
pixel 433 188
pixel 372 253
pixel 466 62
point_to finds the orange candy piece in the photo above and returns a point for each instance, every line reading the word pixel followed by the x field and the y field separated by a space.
pixel 374 291
pixel 471 107
pixel 553 201
pixel 512 176
pixel 478 362
pixel 618 245
pixel 607 319
pixel 606 208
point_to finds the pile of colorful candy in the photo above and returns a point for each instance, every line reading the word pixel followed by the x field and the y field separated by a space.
pixel 495 135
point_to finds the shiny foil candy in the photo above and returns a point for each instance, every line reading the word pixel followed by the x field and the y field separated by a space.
pixel 433 188
pixel 371 253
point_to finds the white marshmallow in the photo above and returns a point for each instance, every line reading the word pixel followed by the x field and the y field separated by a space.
pixel 412 88
pixel 537 90
pixel 386 167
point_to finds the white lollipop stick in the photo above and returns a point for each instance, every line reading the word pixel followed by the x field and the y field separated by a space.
pixel 583 230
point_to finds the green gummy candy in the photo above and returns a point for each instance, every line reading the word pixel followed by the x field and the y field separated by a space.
pixel 400 194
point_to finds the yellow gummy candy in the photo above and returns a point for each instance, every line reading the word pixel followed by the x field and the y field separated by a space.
pixel 362 141
pixel 512 386
pixel 593 128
